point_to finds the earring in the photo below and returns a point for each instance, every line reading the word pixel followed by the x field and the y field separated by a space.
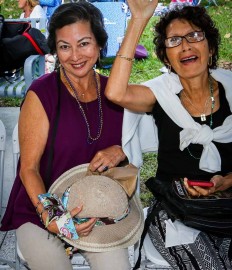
pixel 210 61
pixel 169 68
pixel 99 57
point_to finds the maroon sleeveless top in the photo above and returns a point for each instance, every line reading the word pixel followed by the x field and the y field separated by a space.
pixel 71 147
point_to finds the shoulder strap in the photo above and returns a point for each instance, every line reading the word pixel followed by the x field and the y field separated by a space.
pixel 51 152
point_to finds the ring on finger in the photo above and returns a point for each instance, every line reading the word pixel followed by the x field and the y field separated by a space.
pixel 105 168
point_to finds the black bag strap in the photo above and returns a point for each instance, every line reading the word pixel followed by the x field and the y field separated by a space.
pixel 155 211
pixel 51 152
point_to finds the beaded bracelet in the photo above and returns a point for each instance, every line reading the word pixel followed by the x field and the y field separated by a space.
pixel 125 57
pixel 40 215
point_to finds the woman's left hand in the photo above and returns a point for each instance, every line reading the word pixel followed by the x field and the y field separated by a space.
pixel 142 9
pixel 107 158
pixel 220 183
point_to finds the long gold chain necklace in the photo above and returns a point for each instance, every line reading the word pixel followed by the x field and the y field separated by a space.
pixel 90 138
pixel 211 114
pixel 203 114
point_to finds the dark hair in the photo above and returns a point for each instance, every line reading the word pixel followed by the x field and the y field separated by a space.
pixel 195 15
pixel 70 13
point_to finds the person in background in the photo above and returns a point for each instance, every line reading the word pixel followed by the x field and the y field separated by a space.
pixel 89 130
pixel 31 9
pixel 192 109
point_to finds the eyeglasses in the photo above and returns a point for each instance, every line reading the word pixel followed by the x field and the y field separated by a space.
pixel 192 37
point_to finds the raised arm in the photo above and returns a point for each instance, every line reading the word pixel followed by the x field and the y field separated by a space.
pixel 134 97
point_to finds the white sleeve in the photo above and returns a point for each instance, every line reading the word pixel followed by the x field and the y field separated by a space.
pixel 139 135
pixel 38 12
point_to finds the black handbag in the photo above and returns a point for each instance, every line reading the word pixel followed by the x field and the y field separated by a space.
pixel 18 40
pixel 212 214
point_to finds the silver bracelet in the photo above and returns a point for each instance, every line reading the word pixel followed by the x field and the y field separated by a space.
pixel 125 57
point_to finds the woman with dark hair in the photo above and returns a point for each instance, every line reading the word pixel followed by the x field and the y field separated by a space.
pixel 65 121
pixel 190 109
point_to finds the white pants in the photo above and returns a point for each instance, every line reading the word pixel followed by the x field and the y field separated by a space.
pixel 44 251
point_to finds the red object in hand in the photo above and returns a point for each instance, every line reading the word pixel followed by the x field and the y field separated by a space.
pixel 200 183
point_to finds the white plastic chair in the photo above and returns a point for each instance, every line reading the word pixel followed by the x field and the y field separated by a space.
pixel 6 262
pixel 2 155
pixel 15 148
pixel 151 253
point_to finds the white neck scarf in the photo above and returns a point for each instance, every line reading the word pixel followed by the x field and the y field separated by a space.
pixel 166 87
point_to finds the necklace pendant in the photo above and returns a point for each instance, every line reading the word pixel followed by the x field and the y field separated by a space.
pixel 203 118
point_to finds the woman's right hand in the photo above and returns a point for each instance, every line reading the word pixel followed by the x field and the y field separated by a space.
pixel 83 229
pixel 142 9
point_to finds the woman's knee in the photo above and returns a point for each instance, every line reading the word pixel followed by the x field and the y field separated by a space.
pixel 114 260
pixel 40 249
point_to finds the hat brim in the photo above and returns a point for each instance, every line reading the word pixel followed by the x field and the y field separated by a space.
pixel 107 237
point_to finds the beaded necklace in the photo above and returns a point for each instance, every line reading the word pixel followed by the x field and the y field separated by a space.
pixel 202 114
pixel 90 138
pixel 211 114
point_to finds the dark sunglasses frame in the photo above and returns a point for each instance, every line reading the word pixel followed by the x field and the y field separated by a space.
pixel 187 37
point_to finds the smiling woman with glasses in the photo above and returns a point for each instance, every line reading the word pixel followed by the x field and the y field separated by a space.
pixel 190 127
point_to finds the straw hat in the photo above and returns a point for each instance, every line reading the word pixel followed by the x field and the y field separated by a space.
pixel 101 197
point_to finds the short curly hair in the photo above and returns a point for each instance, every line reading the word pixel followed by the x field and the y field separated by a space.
pixel 197 16
pixel 71 13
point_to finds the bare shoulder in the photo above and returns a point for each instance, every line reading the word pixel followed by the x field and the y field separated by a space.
pixel 32 116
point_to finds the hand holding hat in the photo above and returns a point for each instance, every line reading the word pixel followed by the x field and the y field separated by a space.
pixel 104 198
pixel 59 220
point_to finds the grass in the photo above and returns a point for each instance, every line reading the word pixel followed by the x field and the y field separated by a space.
pixel 146 69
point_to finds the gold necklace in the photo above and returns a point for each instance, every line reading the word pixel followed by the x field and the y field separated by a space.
pixel 203 114
pixel 90 138
pixel 211 114
pixel 69 88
